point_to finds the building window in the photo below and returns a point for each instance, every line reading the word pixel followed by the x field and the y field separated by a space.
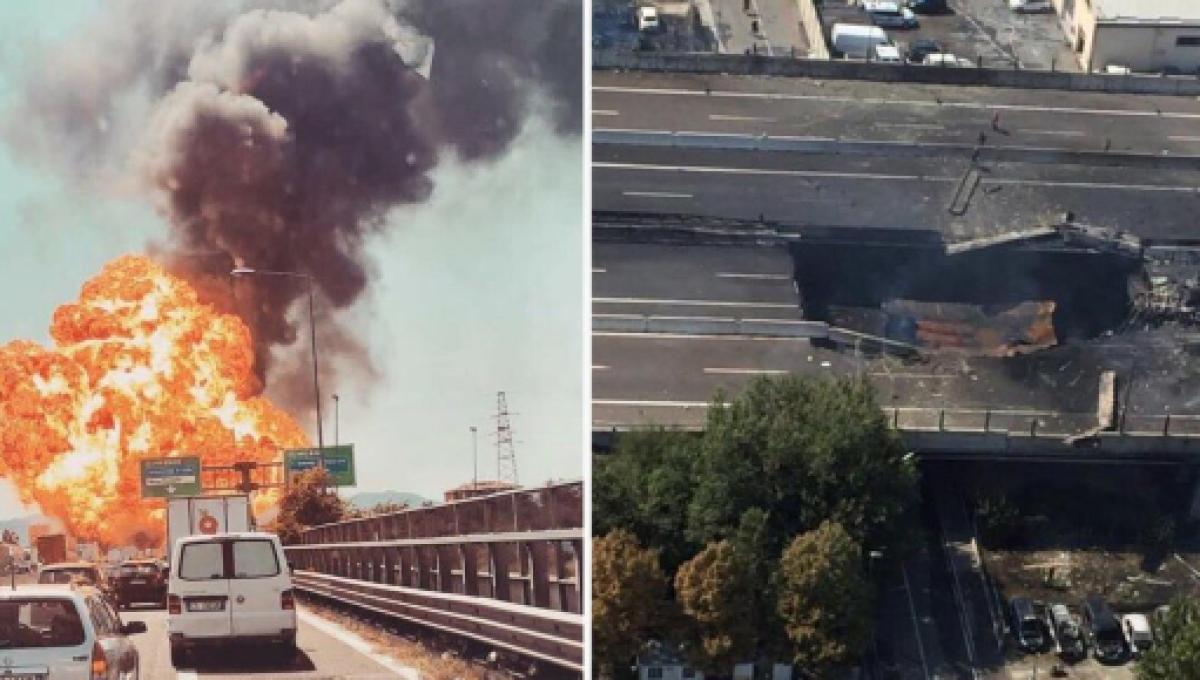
pixel 654 673
pixel 1188 41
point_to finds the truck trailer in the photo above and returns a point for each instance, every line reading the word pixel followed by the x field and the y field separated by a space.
pixel 206 515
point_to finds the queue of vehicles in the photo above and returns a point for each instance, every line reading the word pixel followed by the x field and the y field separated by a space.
pixel 1039 627
pixel 223 583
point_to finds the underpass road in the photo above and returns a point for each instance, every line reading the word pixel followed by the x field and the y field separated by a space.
pixel 325 651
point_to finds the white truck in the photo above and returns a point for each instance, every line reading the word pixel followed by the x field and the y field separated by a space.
pixel 853 41
pixel 205 516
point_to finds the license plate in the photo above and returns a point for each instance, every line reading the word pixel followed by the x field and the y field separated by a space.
pixel 137 581
pixel 206 605
pixel 24 676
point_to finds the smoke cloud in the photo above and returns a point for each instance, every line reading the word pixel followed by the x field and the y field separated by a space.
pixel 280 139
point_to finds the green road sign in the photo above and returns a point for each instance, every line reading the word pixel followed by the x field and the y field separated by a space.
pixel 170 477
pixel 339 462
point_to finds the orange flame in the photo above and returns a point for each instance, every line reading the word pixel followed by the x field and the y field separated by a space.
pixel 140 368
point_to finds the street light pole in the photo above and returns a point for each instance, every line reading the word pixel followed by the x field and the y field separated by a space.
pixel 312 325
pixel 337 416
pixel 475 458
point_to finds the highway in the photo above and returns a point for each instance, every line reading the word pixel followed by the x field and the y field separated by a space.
pixel 325 651
pixel 804 153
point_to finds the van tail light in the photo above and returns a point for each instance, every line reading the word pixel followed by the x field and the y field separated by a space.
pixel 174 604
pixel 287 600
pixel 99 662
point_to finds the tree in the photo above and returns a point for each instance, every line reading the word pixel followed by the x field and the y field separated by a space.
pixel 629 599
pixel 804 450
pixel 307 503
pixel 1176 650
pixel 645 486
pixel 824 600
pixel 716 591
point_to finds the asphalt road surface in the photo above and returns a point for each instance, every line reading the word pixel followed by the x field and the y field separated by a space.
pixel 323 653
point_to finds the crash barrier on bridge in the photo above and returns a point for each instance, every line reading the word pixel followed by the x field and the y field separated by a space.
pixel 549 636
pixel 641 323
pixel 762 65
pixel 555 506
pixel 980 153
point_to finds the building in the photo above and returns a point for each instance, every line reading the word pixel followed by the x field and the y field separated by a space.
pixel 663 661
pixel 1145 36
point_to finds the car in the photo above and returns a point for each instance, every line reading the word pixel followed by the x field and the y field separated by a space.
pixel 919 48
pixel 1102 627
pixel 890 14
pixel 886 54
pixel 65 632
pixel 232 587
pixel 928 6
pixel 1027 626
pixel 945 59
pixel 139 581
pixel 1068 632
pixel 71 572
pixel 1030 6
pixel 1137 633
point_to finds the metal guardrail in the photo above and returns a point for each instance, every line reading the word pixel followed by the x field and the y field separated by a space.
pixel 548 636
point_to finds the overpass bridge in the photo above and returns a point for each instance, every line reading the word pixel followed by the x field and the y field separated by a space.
pixel 502 572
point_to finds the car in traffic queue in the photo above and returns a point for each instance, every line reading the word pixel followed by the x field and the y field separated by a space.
pixel 76 572
pixel 139 581
pixel 227 588
pixel 64 632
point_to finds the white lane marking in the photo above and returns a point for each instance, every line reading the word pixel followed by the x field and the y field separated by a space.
pixel 1184 138
pixel 655 194
pixel 747 119
pixel 695 303
pixel 968 638
pixel 916 376
pixel 1060 133
pixel 357 644
pixel 745 371
pixel 650 403
pixel 912 610
pixel 755 277
pixel 597 367
pixel 879 101
pixel 764 171
pixel 915 126
pixel 599 270
pixel 186 675
pixel 605 112
pixel 883 176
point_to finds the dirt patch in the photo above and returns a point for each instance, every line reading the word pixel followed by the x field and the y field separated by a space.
pixel 1123 578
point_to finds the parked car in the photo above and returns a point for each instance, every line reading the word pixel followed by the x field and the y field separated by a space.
pixel 1102 627
pixel 1068 632
pixel 57 632
pixel 229 587
pixel 1028 627
pixel 919 48
pixel 1138 636
pixel 928 6
pixel 890 14
pixel 140 581
pixel 945 59
pixel 887 54
pixel 1030 6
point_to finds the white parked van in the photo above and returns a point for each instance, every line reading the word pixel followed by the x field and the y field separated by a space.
pixel 229 587
pixel 886 54
pixel 854 41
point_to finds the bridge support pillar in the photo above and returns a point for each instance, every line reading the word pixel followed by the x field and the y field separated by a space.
pixel 539 574
pixel 498 557
pixel 470 570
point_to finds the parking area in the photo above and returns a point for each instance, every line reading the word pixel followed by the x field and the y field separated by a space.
pixel 682 27
pixel 985 32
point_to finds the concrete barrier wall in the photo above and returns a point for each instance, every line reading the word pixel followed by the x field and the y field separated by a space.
pixel 761 65
pixel 810 24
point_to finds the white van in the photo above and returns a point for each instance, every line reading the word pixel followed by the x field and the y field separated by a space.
pixel 854 41
pixel 886 54
pixel 647 18
pixel 229 587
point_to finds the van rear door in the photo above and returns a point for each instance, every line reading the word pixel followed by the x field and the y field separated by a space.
pixel 203 589
pixel 257 583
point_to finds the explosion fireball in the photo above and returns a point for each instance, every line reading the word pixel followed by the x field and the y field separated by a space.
pixel 139 368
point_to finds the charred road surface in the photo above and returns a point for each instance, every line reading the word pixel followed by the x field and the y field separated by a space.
pixel 733 216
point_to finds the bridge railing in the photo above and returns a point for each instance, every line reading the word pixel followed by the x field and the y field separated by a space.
pixel 1035 423
pixel 555 506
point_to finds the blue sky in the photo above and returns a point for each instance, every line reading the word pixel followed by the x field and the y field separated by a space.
pixel 478 290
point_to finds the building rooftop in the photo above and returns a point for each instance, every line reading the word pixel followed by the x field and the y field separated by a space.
pixel 1155 11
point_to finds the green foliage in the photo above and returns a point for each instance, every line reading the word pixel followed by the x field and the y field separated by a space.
pixel 629 599
pixel 645 486
pixel 1176 650
pixel 824 600
pixel 307 503
pixel 805 451
pixel 717 594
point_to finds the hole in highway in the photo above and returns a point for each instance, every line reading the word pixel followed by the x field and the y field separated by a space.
pixel 987 301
